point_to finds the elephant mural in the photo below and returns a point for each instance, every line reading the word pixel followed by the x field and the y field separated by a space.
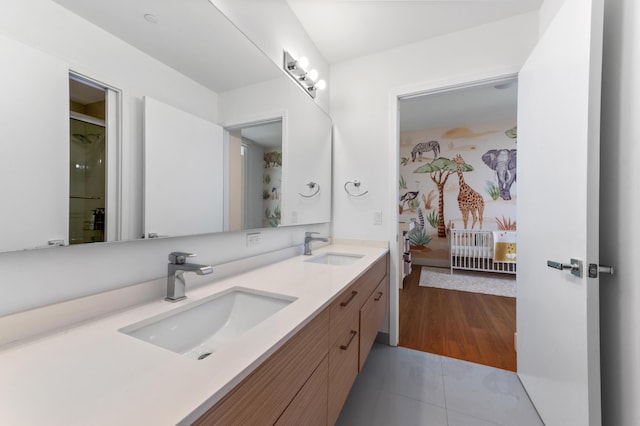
pixel 503 161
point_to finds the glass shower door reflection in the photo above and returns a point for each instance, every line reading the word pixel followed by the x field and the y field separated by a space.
pixel 87 182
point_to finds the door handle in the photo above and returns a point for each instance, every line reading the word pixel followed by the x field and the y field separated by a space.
pixel 575 266
pixel 603 269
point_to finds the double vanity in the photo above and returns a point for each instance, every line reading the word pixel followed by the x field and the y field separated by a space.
pixel 281 344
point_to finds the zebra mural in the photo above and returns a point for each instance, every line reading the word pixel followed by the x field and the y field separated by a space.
pixel 425 147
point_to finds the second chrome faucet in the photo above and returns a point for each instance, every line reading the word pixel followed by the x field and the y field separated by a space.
pixel 308 237
pixel 175 274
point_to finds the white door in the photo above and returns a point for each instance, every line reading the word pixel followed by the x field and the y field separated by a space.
pixel 183 172
pixel 558 174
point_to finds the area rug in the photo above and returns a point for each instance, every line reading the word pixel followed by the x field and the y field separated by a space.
pixel 475 282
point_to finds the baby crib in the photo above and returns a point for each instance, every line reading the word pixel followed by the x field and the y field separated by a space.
pixel 473 250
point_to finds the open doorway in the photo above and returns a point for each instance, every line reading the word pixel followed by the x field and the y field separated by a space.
pixel 457 222
pixel 255 175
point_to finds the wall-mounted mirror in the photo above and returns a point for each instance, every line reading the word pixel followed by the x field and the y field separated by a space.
pixel 183 53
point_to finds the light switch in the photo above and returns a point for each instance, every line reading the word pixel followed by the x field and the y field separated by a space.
pixel 377 217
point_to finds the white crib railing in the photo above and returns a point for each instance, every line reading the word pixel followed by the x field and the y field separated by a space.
pixel 473 250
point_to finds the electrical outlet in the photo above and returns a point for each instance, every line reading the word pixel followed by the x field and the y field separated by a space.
pixel 377 217
pixel 254 239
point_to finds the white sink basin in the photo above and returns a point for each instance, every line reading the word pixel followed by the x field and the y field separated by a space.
pixel 335 258
pixel 200 328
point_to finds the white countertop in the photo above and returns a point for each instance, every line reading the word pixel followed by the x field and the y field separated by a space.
pixel 94 374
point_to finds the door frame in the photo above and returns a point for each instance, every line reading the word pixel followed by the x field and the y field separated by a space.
pixel 114 150
pixel 419 89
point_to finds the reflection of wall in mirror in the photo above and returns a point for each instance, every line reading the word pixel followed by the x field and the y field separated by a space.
pixel 235 179
pixel 34 167
pixel 252 185
pixel 306 144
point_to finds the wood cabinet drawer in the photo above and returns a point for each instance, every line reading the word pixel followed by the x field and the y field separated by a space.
pixel 309 407
pixel 343 365
pixel 372 314
pixel 344 307
pixel 370 279
pixel 264 395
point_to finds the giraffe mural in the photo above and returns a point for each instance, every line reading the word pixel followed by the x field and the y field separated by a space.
pixel 469 201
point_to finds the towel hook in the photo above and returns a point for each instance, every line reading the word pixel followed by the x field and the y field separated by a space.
pixel 311 185
pixel 355 183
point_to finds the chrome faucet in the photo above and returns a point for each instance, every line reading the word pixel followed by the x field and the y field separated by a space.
pixel 307 241
pixel 175 274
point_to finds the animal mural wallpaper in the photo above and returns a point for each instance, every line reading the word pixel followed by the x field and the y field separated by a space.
pixel 456 178
pixel 272 178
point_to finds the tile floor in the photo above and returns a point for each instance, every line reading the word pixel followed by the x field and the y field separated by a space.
pixel 400 386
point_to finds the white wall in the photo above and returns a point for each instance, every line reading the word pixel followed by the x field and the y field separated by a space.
pixel 273 27
pixel 360 107
pixel 362 95
pixel 547 12
pixel 620 203
pixel 40 277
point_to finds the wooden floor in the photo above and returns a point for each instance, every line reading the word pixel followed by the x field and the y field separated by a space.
pixel 470 326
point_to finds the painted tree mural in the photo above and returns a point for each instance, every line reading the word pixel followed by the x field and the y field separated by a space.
pixel 439 170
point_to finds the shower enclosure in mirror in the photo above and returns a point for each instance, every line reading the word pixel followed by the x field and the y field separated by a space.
pixel 191 58
pixel 87 184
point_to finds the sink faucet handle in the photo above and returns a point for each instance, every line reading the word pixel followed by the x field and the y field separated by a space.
pixel 308 234
pixel 179 257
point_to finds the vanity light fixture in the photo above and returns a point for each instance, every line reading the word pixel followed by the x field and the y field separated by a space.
pixel 297 69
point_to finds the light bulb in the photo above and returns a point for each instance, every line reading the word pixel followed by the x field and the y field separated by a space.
pixel 313 75
pixel 321 85
pixel 303 62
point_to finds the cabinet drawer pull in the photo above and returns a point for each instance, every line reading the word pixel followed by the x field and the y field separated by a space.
pixel 379 296
pixel 345 347
pixel 345 303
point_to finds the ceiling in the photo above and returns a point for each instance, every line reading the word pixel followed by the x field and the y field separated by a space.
pixel 195 38
pixel 191 36
pixel 345 29
pixel 267 135
pixel 462 107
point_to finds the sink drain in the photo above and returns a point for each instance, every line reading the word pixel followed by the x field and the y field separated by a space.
pixel 204 355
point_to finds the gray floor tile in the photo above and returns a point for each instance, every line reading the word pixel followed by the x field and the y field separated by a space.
pixel 459 419
pixel 414 374
pixel 358 409
pixel 397 410
pixel 487 393
pixel 400 386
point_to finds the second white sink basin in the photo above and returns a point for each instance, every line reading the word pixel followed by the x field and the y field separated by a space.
pixel 200 328
pixel 335 258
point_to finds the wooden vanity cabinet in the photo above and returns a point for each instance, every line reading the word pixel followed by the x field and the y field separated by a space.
pixel 354 327
pixel 309 407
pixel 343 348
pixel 374 306
pixel 372 314
pixel 308 379
pixel 263 396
